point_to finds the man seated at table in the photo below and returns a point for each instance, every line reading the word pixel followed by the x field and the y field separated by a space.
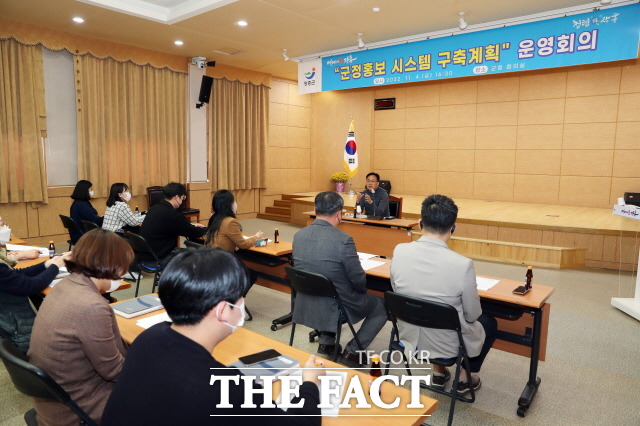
pixel 163 224
pixel 374 200
pixel 168 369
pixel 324 249
pixel 427 269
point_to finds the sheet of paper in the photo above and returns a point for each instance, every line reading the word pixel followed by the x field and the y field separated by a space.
pixel 153 320
pixel 364 256
pixel 485 283
pixel 334 400
pixel 16 247
pixel 369 264
pixel 247 237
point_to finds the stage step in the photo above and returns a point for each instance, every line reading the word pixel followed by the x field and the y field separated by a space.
pixel 519 253
pixel 282 203
pixel 278 210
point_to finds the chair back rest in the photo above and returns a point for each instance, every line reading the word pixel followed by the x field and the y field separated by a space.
pixel 310 283
pixel 395 206
pixel 386 184
pixel 88 226
pixel 421 312
pixel 69 223
pixel 139 244
pixel 193 245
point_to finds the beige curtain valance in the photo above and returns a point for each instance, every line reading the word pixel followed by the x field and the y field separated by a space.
pixel 79 45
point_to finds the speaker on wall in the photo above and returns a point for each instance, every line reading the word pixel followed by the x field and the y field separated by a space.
pixel 205 89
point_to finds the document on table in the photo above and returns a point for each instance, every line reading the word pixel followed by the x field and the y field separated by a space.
pixel 370 264
pixel 365 256
pixel 485 283
pixel 16 247
pixel 153 320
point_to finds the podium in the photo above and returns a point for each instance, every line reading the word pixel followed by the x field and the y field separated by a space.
pixel 630 305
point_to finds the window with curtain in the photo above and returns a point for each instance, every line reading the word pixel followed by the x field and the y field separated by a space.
pixel 22 123
pixel 131 124
pixel 238 123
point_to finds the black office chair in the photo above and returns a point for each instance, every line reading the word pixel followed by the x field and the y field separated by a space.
pixel 386 184
pixel 143 251
pixel 193 245
pixel 428 314
pixel 395 206
pixel 34 382
pixel 88 226
pixel 70 225
pixel 317 285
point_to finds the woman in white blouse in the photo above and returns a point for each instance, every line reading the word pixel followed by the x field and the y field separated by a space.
pixel 118 214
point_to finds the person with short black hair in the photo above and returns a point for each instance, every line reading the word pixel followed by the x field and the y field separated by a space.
pixel 166 376
pixel 428 269
pixel 324 249
pixel 118 217
pixel 163 224
pixel 81 209
pixel 374 200
pixel 75 337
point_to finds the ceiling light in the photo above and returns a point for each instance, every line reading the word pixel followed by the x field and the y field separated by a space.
pixel 284 55
pixel 242 23
pixel 462 24
pixel 375 9
pixel 360 41
pixel 178 42
pixel 78 20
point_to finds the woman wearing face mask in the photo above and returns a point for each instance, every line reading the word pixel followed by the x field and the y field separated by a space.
pixel 118 217
pixel 75 337
pixel 81 208
pixel 224 230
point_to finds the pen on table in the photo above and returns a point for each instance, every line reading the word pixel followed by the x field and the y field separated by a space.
pixel 319 363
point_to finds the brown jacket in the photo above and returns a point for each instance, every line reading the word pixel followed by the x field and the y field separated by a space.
pixel 229 236
pixel 76 340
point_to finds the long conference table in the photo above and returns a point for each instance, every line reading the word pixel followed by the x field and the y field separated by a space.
pixel 245 342
pixel 523 320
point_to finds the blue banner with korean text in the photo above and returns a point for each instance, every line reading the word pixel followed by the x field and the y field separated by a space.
pixel 599 36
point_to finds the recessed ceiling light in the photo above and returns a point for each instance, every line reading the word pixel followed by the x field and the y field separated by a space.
pixel 178 42
pixel 376 9
pixel 78 20
pixel 242 23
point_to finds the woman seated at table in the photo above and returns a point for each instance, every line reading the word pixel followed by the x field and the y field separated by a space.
pixel 75 336
pixel 81 208
pixel 118 217
pixel 166 376
pixel 225 231
pixel 16 285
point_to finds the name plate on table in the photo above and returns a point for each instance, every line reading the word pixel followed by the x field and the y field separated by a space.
pixel 631 212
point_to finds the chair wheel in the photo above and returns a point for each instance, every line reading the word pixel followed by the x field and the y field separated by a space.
pixel 312 339
pixel 522 411
pixel 274 327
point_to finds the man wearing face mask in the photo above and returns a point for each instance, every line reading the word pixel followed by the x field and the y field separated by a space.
pixel 118 217
pixel 16 314
pixel 166 379
pixel 163 224
pixel 374 200
pixel 324 249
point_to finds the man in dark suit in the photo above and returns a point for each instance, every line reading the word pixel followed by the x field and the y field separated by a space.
pixel 326 250
pixel 164 224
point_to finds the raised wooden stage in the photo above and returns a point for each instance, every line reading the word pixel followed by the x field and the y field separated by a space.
pixel 539 234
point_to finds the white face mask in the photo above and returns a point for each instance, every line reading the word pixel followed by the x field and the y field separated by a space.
pixel 90 194
pixel 5 234
pixel 240 323
pixel 126 196
pixel 115 284
pixel 234 207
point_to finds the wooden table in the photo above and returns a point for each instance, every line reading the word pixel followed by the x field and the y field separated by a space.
pixel 244 342
pixel 523 322
pixel 374 236
pixel 17 241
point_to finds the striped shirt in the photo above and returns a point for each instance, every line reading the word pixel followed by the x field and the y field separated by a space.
pixel 120 215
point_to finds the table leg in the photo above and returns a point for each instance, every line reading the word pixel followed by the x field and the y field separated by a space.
pixel 531 388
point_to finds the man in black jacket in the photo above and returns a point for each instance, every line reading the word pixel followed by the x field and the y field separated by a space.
pixel 163 224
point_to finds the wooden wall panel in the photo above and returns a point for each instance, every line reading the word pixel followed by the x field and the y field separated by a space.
pixel 16 216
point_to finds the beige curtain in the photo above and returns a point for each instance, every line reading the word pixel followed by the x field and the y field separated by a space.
pixel 23 175
pixel 238 120
pixel 131 124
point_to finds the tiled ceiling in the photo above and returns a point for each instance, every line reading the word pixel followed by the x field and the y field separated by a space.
pixel 303 27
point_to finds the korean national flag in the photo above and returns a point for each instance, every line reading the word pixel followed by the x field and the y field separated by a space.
pixel 351 152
